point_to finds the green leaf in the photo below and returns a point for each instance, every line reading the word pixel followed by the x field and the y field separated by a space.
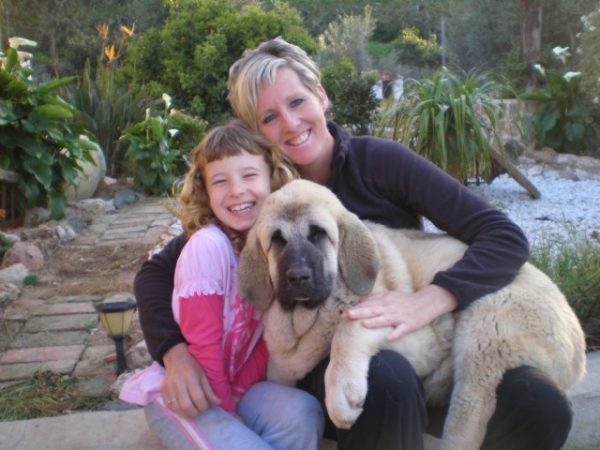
pixel 54 112
pixel 41 169
pixel 52 85
pixel 57 203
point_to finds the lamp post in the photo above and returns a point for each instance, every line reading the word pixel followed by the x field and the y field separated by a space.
pixel 116 313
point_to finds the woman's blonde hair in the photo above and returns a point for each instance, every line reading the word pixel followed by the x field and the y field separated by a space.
pixel 225 141
pixel 257 68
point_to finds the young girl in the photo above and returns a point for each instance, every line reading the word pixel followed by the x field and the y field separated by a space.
pixel 233 170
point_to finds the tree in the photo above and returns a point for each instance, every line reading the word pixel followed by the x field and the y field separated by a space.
pixel 347 37
pixel 531 37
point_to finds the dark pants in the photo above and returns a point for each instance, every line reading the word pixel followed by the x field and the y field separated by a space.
pixel 532 411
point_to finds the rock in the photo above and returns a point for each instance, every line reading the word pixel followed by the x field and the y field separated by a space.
pixel 545 156
pixel 14 275
pixel 44 231
pixel 87 183
pixel 115 388
pixel 138 356
pixel 36 216
pixel 78 224
pixel 125 197
pixel 65 232
pixel 90 208
pixel 8 292
pixel 25 253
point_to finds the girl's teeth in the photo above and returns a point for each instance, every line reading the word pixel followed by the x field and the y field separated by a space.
pixel 239 208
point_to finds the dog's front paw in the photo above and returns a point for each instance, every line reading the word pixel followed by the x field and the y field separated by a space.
pixel 345 395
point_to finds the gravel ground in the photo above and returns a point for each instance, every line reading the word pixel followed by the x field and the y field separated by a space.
pixel 564 207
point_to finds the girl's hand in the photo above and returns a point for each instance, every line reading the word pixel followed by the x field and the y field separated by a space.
pixel 186 389
pixel 404 312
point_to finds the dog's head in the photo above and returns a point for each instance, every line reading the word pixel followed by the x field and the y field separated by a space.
pixel 302 241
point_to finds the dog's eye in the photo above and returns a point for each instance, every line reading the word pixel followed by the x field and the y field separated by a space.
pixel 278 239
pixel 316 234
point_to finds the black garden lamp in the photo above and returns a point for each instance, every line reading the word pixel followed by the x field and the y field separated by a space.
pixel 116 313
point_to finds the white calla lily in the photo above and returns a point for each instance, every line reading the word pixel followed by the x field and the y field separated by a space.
pixel 167 99
pixel 16 42
pixel 558 51
pixel 567 76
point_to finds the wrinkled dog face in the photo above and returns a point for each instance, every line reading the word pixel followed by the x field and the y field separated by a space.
pixel 301 250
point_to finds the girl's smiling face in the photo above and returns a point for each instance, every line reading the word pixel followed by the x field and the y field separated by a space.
pixel 237 186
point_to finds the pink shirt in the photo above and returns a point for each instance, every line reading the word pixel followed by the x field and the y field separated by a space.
pixel 223 331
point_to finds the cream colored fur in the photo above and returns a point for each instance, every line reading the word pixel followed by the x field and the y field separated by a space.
pixel 528 322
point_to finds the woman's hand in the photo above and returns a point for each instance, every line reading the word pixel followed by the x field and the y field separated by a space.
pixel 186 389
pixel 404 312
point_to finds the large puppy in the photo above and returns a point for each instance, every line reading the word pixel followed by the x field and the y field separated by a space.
pixel 316 259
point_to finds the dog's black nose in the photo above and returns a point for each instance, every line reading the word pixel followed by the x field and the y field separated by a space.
pixel 298 275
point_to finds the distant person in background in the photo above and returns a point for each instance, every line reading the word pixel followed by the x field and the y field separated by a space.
pixel 388 88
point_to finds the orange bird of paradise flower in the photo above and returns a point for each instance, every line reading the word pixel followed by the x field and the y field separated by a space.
pixel 103 30
pixel 128 31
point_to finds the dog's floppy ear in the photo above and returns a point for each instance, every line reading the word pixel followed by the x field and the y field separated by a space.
pixel 359 258
pixel 254 282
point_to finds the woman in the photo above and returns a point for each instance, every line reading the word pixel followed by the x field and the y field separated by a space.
pixel 276 89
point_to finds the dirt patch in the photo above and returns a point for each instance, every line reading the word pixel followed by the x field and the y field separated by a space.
pixel 101 269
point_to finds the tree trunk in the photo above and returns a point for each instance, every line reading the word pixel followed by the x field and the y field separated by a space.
pixel 531 37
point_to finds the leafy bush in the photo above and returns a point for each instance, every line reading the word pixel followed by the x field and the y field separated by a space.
pixel 190 56
pixel 413 50
pixel 450 120
pixel 352 101
pixel 562 120
pixel 39 138
pixel 153 157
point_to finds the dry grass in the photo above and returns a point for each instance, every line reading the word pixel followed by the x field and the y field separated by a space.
pixel 47 394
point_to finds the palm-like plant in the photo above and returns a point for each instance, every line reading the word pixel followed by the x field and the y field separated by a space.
pixel 450 120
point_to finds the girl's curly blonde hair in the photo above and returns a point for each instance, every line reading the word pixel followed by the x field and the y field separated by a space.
pixel 225 141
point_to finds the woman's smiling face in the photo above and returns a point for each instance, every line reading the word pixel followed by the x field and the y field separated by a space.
pixel 292 117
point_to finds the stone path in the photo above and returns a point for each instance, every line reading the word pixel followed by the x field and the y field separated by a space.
pixel 55 334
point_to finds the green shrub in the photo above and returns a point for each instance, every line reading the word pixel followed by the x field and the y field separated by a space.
pixel 107 102
pixel 589 50
pixel 413 50
pixel 573 263
pixel 107 108
pixel 39 137
pixel 353 104
pixel 191 55
pixel 450 120
pixel 562 119
pixel 30 280
pixel 5 245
